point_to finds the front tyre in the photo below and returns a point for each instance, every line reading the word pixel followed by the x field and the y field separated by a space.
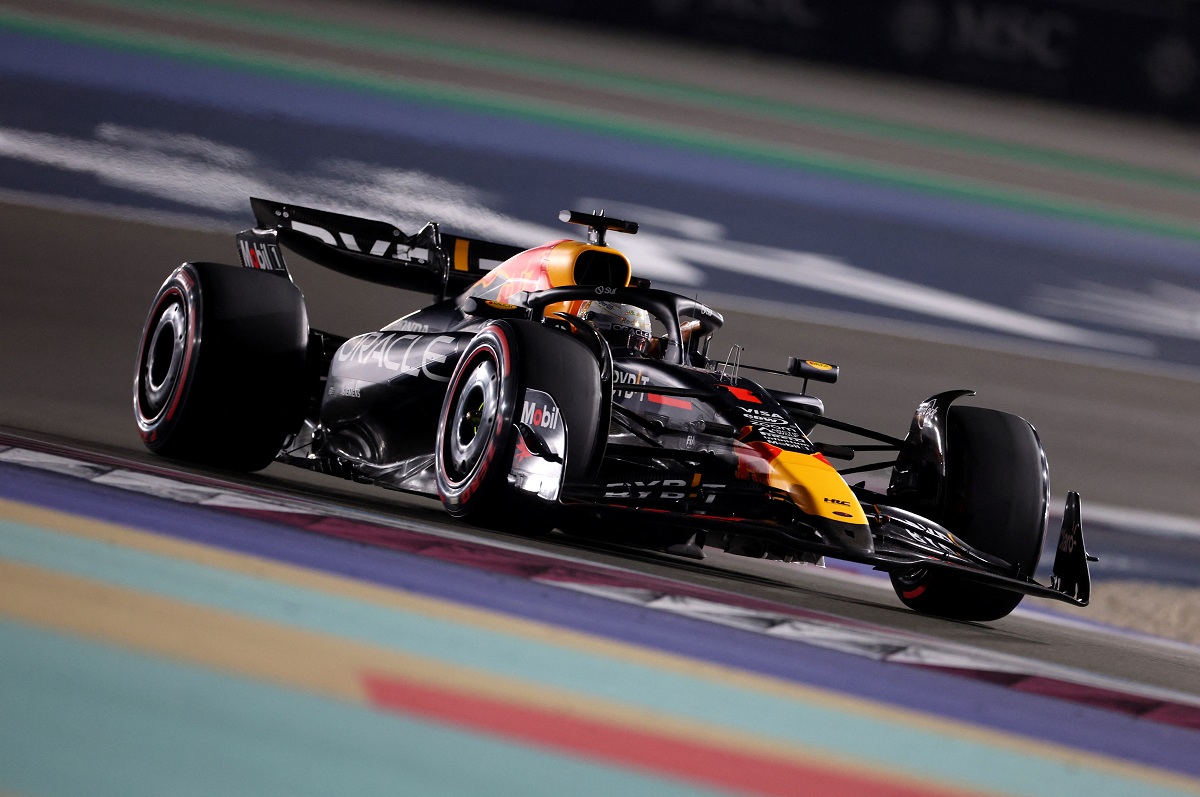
pixel 477 430
pixel 997 495
pixel 477 438
pixel 475 433
pixel 220 366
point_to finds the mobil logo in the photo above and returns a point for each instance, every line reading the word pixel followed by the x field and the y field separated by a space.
pixel 539 415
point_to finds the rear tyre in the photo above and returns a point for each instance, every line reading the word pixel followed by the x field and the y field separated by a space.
pixel 477 436
pixel 996 500
pixel 220 366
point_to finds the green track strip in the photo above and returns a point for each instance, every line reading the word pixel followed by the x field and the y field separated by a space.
pixel 571 118
pixel 564 72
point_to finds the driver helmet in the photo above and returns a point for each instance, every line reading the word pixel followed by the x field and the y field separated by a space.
pixel 625 327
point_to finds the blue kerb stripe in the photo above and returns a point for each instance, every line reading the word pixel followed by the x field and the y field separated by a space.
pixel 824 730
pixel 1030 715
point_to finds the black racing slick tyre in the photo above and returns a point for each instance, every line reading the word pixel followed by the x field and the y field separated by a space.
pixel 996 500
pixel 477 433
pixel 219 378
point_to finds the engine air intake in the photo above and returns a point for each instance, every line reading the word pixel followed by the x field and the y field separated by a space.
pixel 608 269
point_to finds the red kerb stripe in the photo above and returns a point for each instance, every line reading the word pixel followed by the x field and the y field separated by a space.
pixel 654 753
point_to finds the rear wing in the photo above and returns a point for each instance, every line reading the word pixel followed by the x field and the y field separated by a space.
pixel 428 261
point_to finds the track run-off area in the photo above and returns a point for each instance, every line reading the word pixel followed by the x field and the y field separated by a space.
pixel 174 630
pixel 182 633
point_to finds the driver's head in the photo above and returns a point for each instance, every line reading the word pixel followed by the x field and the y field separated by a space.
pixel 625 327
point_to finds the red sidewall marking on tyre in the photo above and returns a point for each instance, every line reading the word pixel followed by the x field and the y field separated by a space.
pixel 181 382
pixel 500 354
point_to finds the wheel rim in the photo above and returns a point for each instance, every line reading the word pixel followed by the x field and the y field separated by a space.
pixel 163 359
pixel 472 420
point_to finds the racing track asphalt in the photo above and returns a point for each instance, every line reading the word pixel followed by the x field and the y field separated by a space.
pixel 77 284
pixel 1118 437
pixel 77 287
pixel 72 324
pixel 143 578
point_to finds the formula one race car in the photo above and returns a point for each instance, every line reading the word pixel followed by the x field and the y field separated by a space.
pixel 556 389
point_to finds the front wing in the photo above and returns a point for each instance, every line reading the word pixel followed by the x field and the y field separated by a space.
pixel 903 541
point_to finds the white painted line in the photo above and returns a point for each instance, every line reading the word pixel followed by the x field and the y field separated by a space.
pixel 873 642
pixel 931 333
pixel 1139 521
pixel 66 466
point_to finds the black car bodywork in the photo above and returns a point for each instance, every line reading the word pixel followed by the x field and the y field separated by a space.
pixel 502 401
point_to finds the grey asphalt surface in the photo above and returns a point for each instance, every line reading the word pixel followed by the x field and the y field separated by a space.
pixel 1119 434
pixel 72 311
pixel 76 287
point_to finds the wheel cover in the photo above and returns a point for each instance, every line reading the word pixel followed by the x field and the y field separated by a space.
pixel 162 361
pixel 472 420
pixel 164 358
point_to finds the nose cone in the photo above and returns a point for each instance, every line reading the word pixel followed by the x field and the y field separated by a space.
pixel 818 490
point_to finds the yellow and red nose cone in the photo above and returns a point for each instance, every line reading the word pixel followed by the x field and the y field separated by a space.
pixel 812 483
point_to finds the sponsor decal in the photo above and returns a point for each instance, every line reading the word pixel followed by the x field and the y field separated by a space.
pixel 410 326
pixel 407 354
pixel 629 378
pixel 485 464
pixel 777 430
pixel 926 414
pixel 820 366
pixel 344 240
pixel 662 489
pixel 628 330
pixel 788 438
pixel 743 394
pixel 758 417
pixel 1012 33
pixel 1068 541
pixel 521 452
pixel 837 501
pixel 258 250
pixel 537 415
pixel 538 469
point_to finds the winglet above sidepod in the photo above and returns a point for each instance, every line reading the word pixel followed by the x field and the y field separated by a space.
pixel 1071 576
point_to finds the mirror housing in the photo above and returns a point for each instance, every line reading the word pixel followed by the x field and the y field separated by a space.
pixel 812 369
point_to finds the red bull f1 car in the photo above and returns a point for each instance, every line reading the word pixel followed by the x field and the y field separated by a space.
pixel 552 388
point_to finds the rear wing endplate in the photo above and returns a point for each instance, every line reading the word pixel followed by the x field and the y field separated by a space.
pixel 428 261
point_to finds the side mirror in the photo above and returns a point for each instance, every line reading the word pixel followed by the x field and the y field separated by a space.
pixel 811 369
pixel 486 308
